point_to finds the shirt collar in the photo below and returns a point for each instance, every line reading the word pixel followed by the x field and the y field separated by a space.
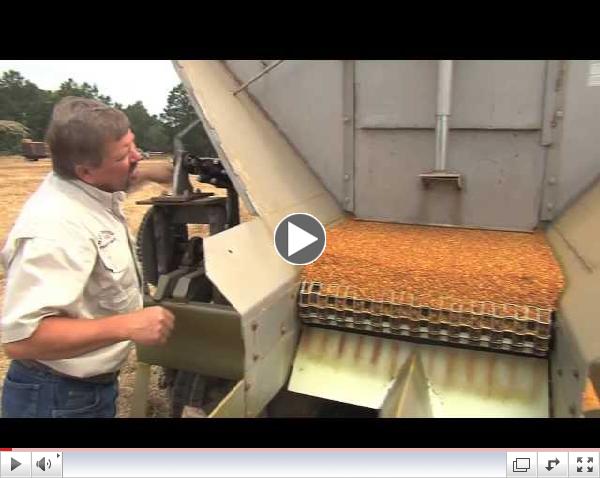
pixel 111 201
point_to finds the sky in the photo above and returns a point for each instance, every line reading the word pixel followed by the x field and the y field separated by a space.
pixel 125 81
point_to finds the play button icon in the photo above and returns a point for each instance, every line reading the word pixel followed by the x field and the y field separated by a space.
pixel 300 239
pixel 15 463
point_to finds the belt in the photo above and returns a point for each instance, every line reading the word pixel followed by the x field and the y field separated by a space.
pixel 103 378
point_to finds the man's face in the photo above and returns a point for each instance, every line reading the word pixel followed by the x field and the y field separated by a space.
pixel 118 166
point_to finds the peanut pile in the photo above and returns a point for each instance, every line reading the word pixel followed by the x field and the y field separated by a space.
pixel 435 262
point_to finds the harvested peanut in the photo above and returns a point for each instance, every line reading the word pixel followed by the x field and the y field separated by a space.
pixel 436 262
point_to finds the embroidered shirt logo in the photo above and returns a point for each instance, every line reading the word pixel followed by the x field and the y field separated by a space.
pixel 105 238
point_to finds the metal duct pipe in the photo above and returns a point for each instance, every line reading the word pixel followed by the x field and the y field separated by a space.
pixel 443 112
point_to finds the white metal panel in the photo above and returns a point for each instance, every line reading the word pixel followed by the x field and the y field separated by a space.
pixel 574 240
pixel 410 395
pixel 304 98
pixel 244 70
pixel 233 405
pixel 358 369
pixel 274 178
pixel 580 227
pixel 269 375
pixel 346 367
pixel 243 264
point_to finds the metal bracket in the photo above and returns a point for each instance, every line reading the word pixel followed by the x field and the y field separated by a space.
pixel 190 284
pixel 436 176
pixel 348 145
pixel 167 282
pixel 551 137
pixel 260 75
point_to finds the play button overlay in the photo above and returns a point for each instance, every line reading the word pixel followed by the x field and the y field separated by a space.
pixel 300 239
pixel 15 463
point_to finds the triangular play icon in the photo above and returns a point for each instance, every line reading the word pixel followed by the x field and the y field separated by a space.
pixel 298 239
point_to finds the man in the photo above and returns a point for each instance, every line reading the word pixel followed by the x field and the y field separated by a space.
pixel 73 299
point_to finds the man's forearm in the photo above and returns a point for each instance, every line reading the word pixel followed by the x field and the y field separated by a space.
pixel 60 338
pixel 157 172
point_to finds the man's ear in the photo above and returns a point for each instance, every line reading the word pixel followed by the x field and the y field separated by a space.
pixel 84 173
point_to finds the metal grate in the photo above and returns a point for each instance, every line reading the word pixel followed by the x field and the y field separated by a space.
pixel 509 327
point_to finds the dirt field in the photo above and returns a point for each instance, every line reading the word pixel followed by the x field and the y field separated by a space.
pixel 18 179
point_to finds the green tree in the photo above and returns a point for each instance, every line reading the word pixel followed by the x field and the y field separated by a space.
pixel 140 121
pixel 178 114
pixel 84 90
pixel 149 131
pixel 22 101
pixel 158 139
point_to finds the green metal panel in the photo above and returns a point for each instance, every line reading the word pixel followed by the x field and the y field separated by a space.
pixel 207 339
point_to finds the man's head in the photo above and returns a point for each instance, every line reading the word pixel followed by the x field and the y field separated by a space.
pixel 91 141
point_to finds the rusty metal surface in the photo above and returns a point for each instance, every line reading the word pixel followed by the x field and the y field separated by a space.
pixel 359 369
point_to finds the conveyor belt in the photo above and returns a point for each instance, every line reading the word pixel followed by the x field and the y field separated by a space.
pixel 481 288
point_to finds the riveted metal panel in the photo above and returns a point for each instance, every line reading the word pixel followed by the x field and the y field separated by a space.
pixel 502 173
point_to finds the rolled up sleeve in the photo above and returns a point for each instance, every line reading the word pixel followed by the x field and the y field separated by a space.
pixel 45 277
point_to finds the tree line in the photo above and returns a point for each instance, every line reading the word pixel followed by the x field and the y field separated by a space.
pixel 25 107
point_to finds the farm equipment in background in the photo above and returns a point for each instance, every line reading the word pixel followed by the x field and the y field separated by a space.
pixel 34 150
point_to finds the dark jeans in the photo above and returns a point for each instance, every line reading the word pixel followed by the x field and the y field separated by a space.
pixel 33 393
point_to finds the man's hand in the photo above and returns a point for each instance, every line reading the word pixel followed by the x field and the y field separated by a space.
pixel 62 337
pixel 150 326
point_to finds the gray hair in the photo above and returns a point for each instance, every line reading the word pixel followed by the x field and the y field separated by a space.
pixel 79 131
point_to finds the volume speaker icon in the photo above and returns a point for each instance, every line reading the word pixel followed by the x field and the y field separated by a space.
pixel 43 463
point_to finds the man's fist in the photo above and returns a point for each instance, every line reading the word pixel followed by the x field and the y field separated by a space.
pixel 150 326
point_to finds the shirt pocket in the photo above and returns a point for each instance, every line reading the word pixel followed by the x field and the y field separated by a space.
pixel 116 277
pixel 115 256
pixel 122 301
